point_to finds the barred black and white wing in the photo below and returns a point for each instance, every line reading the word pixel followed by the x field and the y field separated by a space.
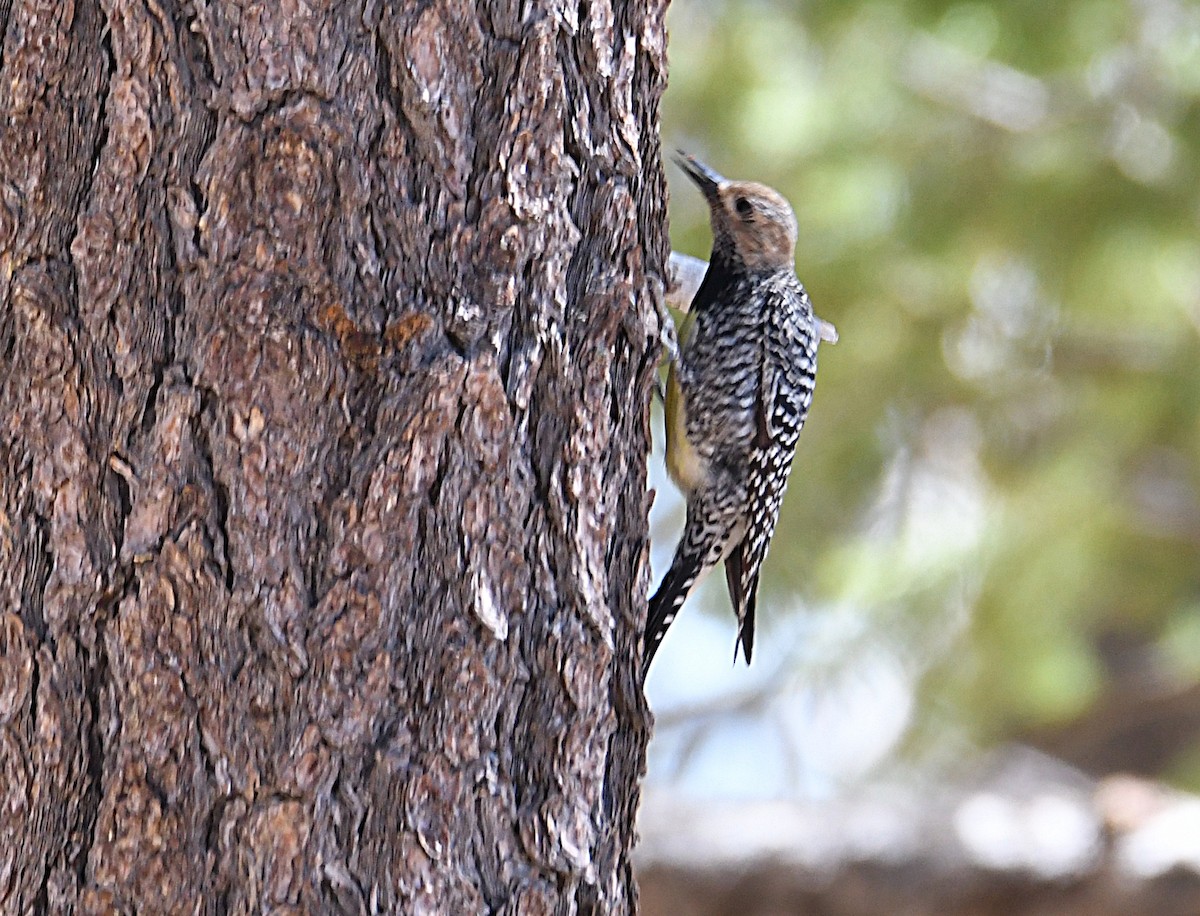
pixel 787 373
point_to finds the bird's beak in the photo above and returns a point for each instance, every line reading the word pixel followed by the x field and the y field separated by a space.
pixel 705 178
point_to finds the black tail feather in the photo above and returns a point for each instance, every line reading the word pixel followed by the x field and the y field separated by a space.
pixel 664 606
pixel 743 593
pixel 746 630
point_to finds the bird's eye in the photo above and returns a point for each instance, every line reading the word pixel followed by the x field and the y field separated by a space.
pixel 744 207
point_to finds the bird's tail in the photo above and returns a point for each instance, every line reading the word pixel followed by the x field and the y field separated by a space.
pixel 665 605
pixel 742 579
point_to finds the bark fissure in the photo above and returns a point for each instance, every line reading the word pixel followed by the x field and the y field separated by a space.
pixel 100 143
pixel 39 566
pixel 5 9
pixel 96 680
pixel 207 470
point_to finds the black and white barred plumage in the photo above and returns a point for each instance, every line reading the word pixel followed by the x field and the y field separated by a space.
pixel 737 398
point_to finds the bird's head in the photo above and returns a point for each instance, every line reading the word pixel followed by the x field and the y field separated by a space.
pixel 751 223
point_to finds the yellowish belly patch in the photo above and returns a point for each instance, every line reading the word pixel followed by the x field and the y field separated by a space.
pixel 684 463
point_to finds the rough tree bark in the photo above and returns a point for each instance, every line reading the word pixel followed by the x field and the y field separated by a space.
pixel 327 335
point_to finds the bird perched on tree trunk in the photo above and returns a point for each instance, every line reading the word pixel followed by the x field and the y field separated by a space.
pixel 737 396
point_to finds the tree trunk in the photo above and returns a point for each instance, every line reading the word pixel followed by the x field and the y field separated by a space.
pixel 328 332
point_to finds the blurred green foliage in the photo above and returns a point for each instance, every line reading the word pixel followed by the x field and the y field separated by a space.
pixel 998 206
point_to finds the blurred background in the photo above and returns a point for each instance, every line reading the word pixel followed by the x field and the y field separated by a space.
pixel 988 561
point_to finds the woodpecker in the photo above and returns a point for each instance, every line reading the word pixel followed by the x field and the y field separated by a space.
pixel 737 395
